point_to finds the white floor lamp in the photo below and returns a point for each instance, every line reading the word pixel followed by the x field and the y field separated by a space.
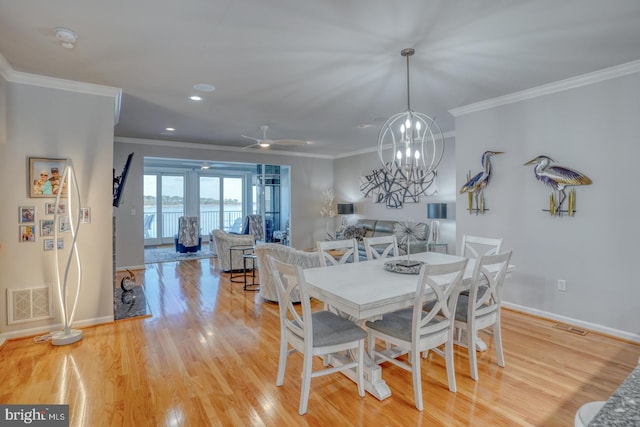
pixel 68 184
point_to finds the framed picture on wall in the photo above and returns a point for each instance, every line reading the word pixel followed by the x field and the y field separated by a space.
pixel 46 227
pixel 85 215
pixel 50 209
pixel 48 244
pixel 45 176
pixel 64 225
pixel 27 214
pixel 27 233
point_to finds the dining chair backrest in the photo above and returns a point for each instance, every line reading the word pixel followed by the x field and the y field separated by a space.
pixel 442 297
pixel 381 247
pixel 479 308
pixel 474 246
pixel 333 334
pixel 425 330
pixel 487 284
pixel 334 252
pixel 291 288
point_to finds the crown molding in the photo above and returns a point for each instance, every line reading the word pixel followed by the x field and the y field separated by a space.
pixel 13 76
pixel 6 70
pixel 548 89
pixel 178 144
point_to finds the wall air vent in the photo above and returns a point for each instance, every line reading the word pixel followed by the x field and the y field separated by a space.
pixel 29 305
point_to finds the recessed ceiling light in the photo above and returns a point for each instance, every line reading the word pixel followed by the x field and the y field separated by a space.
pixel 195 98
pixel 204 87
pixel 170 129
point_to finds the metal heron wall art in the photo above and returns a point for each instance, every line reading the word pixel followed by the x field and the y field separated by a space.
pixel 558 178
pixel 474 187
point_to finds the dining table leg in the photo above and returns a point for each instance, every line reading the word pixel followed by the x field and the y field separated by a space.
pixel 373 382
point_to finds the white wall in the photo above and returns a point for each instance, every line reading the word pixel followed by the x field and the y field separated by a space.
pixel 593 129
pixel 309 176
pixel 73 122
pixel 348 171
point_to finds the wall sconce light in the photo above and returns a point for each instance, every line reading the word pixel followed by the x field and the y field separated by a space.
pixel 436 211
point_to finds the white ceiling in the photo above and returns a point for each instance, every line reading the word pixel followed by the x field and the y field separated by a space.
pixel 313 70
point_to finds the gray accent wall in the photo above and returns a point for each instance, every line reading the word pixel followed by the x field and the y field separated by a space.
pixel 592 128
pixel 348 171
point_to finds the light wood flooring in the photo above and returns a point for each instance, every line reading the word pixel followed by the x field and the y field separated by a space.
pixel 208 355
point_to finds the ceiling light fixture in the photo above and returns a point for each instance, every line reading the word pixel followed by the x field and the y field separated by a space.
pixel 416 140
pixel 195 98
pixel 204 87
pixel 170 129
pixel 67 37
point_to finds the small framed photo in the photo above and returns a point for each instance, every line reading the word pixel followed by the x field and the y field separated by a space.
pixel 65 225
pixel 48 244
pixel 27 233
pixel 49 208
pixel 46 227
pixel 45 177
pixel 27 214
pixel 85 215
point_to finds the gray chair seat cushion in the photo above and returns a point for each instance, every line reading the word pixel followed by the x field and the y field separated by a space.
pixel 331 329
pixel 398 324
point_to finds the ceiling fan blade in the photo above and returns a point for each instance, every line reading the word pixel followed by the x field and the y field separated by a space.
pixel 290 142
pixel 257 140
pixel 251 146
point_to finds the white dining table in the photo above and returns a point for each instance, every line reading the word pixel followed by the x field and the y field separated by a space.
pixel 365 290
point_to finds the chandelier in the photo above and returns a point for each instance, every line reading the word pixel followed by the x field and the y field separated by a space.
pixel 415 139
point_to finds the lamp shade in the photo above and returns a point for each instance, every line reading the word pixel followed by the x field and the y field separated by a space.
pixel 436 210
pixel 345 208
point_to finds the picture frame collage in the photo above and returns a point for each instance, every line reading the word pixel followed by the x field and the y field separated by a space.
pixel 44 181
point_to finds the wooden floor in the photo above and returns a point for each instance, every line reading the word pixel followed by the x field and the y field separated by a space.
pixel 208 355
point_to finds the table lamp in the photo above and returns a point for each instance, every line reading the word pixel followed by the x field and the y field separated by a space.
pixel 345 209
pixel 436 211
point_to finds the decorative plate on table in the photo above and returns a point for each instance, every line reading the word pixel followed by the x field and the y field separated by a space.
pixel 403 266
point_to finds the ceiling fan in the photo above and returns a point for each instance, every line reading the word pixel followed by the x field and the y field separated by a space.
pixel 265 142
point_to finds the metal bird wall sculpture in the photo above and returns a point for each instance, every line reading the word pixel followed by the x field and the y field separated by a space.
pixel 558 178
pixel 474 187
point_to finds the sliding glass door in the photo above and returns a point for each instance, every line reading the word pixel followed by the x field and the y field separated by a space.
pixel 222 203
pixel 164 203
pixel 221 195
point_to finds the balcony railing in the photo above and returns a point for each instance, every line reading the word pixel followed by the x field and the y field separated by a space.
pixel 209 220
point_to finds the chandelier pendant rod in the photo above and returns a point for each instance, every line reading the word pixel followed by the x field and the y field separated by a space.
pixel 407 53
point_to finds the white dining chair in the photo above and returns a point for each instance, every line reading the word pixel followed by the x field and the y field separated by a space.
pixel 413 330
pixel 381 247
pixel 474 246
pixel 312 334
pixel 480 309
pixel 334 252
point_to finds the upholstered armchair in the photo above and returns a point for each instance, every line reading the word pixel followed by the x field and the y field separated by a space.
pixel 188 238
pixel 225 240
pixel 285 254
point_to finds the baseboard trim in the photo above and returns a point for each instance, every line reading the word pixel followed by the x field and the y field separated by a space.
pixel 41 330
pixel 133 267
pixel 624 335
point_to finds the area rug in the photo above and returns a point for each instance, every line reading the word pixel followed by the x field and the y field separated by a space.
pixel 168 254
